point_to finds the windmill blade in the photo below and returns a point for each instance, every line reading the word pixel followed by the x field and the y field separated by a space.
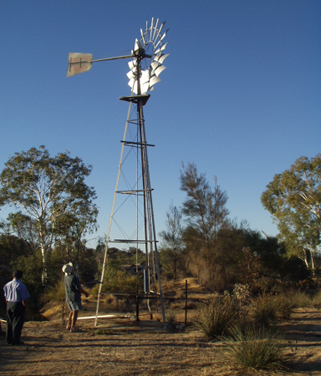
pixel 142 36
pixel 154 80
pixel 159 70
pixel 161 49
pixel 160 59
pixel 151 29
pixel 79 63
pixel 164 35
pixel 155 29
pixel 161 26
pixel 132 64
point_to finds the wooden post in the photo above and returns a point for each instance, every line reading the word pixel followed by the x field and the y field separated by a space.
pixel 137 304
pixel 185 303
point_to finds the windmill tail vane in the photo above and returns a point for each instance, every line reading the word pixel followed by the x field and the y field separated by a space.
pixel 142 79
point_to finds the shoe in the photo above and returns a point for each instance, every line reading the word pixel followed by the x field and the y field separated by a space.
pixel 17 343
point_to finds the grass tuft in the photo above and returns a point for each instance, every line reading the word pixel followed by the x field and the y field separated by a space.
pixel 216 318
pixel 256 349
pixel 265 310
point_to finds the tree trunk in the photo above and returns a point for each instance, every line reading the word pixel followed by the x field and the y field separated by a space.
pixel 306 258
pixel 43 259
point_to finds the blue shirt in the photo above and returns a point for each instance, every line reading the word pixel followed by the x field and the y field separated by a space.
pixel 15 291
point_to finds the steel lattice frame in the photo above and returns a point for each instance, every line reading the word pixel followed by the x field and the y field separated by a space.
pixel 145 68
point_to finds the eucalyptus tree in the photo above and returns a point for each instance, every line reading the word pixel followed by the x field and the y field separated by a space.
pixel 52 193
pixel 294 200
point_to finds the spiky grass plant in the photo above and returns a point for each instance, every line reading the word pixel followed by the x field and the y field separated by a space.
pixel 216 318
pixel 171 320
pixel 284 306
pixel 256 349
pixel 316 300
pixel 301 300
pixel 265 310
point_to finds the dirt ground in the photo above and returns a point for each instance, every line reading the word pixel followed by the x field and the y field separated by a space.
pixel 125 347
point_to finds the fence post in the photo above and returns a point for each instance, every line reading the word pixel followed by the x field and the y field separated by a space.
pixel 185 303
pixel 137 304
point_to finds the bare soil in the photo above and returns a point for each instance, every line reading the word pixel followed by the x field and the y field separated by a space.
pixel 125 347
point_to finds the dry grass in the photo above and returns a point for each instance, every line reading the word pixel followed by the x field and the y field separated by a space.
pixel 132 351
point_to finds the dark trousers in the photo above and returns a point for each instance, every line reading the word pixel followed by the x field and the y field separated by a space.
pixel 15 319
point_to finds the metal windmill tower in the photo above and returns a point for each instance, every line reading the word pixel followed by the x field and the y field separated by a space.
pixel 145 67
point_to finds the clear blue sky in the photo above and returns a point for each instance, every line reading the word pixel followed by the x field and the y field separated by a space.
pixel 240 98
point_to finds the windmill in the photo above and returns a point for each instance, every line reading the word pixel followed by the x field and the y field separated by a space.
pixel 145 67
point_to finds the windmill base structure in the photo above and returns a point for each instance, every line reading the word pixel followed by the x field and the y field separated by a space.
pixel 147 64
pixel 142 191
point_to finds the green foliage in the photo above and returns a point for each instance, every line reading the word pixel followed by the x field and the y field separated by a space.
pixel 11 248
pixel 171 255
pixel 205 214
pixel 117 280
pixel 100 332
pixel 256 349
pixel 32 268
pixel 204 207
pixel 52 194
pixel 172 263
pixel 216 318
pixel 294 271
pixel 55 294
pixel 118 257
pixel 293 198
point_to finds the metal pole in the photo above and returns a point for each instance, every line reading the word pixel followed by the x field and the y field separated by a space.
pixel 111 217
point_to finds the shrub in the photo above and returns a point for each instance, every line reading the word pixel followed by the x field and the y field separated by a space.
pixel 295 271
pixel 265 310
pixel 170 318
pixel 316 300
pixel 284 306
pixel 301 300
pixel 55 294
pixel 216 318
pixel 241 291
pixel 255 349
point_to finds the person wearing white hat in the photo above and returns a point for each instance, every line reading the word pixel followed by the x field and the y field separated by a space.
pixel 73 295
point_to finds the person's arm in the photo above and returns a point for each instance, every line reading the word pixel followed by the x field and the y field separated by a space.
pixel 82 291
pixel 24 303
pixel 78 286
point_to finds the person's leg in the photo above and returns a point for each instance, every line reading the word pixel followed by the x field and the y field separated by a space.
pixel 74 320
pixel 69 320
pixel 69 305
pixel 9 323
pixel 17 322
